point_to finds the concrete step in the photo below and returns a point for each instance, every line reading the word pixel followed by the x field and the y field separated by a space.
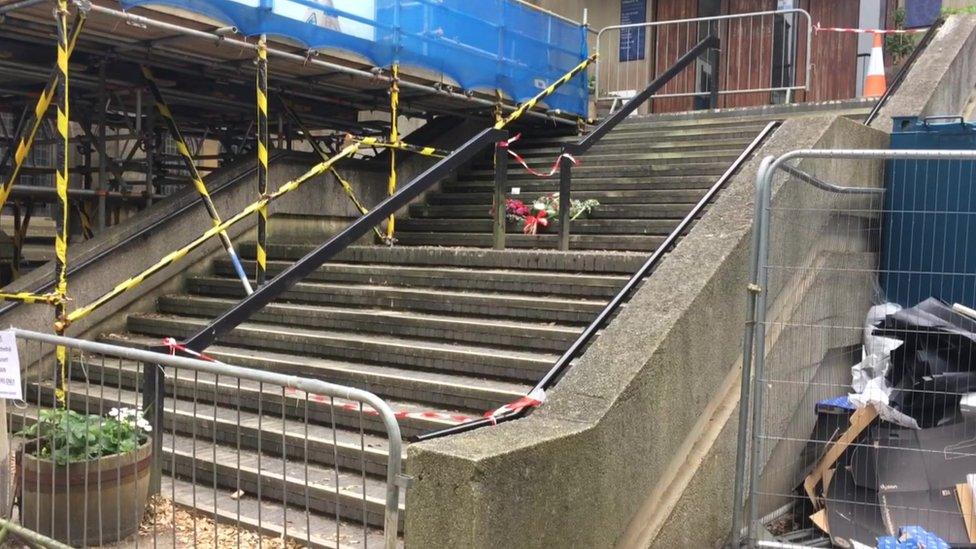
pixel 540 241
pixel 690 144
pixel 493 305
pixel 474 258
pixel 453 278
pixel 708 165
pixel 374 349
pixel 700 169
pixel 671 196
pixel 329 491
pixel 594 184
pixel 432 390
pixel 228 392
pixel 313 530
pixel 605 211
pixel 682 130
pixel 544 162
pixel 660 227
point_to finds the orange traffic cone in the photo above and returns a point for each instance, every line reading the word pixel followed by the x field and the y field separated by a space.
pixel 874 83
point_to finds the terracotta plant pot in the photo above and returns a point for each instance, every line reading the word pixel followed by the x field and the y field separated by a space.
pixel 65 501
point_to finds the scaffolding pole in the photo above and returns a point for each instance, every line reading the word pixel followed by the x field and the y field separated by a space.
pixel 25 139
pixel 394 138
pixel 191 167
pixel 262 114
pixel 61 183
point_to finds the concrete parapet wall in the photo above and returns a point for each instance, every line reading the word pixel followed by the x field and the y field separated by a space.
pixel 942 78
pixel 575 472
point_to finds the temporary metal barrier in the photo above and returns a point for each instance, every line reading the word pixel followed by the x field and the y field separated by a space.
pixel 759 53
pixel 850 425
pixel 232 455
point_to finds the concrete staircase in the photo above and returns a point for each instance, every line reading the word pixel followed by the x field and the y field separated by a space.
pixel 438 323
pixel 646 175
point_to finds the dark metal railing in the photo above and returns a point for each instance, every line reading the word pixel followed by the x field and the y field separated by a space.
pixel 903 71
pixel 584 339
pixel 708 45
pixel 247 307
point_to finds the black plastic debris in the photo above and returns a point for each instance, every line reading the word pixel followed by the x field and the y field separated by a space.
pixel 935 366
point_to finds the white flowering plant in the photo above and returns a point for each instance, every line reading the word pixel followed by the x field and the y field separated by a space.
pixel 65 436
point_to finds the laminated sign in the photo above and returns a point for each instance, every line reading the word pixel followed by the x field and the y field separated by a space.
pixel 9 367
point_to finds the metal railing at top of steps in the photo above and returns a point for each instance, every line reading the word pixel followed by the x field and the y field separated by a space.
pixel 190 201
pixel 583 340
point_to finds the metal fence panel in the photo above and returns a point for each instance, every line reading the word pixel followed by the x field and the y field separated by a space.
pixel 818 466
pixel 244 457
pixel 761 53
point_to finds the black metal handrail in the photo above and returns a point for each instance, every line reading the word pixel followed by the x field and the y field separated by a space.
pixel 298 271
pixel 711 43
pixel 584 339
pixel 903 71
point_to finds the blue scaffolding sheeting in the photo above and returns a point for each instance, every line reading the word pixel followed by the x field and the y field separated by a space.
pixel 482 45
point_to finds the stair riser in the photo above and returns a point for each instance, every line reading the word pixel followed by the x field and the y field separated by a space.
pixel 227 395
pixel 650 146
pixel 589 226
pixel 587 185
pixel 434 359
pixel 546 241
pixel 702 169
pixel 610 197
pixel 472 332
pixel 473 280
pixel 610 211
pixel 246 479
pixel 675 166
pixel 467 258
pixel 543 163
pixel 458 304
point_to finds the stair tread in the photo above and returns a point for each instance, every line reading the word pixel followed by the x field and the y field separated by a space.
pixel 397 315
pixel 499 296
pixel 353 337
pixel 435 380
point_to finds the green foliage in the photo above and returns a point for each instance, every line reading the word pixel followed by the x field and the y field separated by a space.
pixel 900 46
pixel 959 11
pixel 65 436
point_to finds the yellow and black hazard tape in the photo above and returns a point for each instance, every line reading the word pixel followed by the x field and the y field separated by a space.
pixel 178 254
pixel 25 142
pixel 394 138
pixel 550 89
pixel 261 86
pixel 191 167
pixel 317 147
pixel 27 297
pixel 403 146
pixel 61 185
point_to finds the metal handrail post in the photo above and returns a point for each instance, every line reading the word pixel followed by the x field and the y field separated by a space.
pixel 565 184
pixel 501 181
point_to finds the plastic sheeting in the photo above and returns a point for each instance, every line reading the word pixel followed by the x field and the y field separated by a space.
pixel 482 45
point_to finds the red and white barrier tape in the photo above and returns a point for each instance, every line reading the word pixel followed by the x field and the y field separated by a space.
pixel 818 28
pixel 535 398
pixel 177 346
pixel 555 166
